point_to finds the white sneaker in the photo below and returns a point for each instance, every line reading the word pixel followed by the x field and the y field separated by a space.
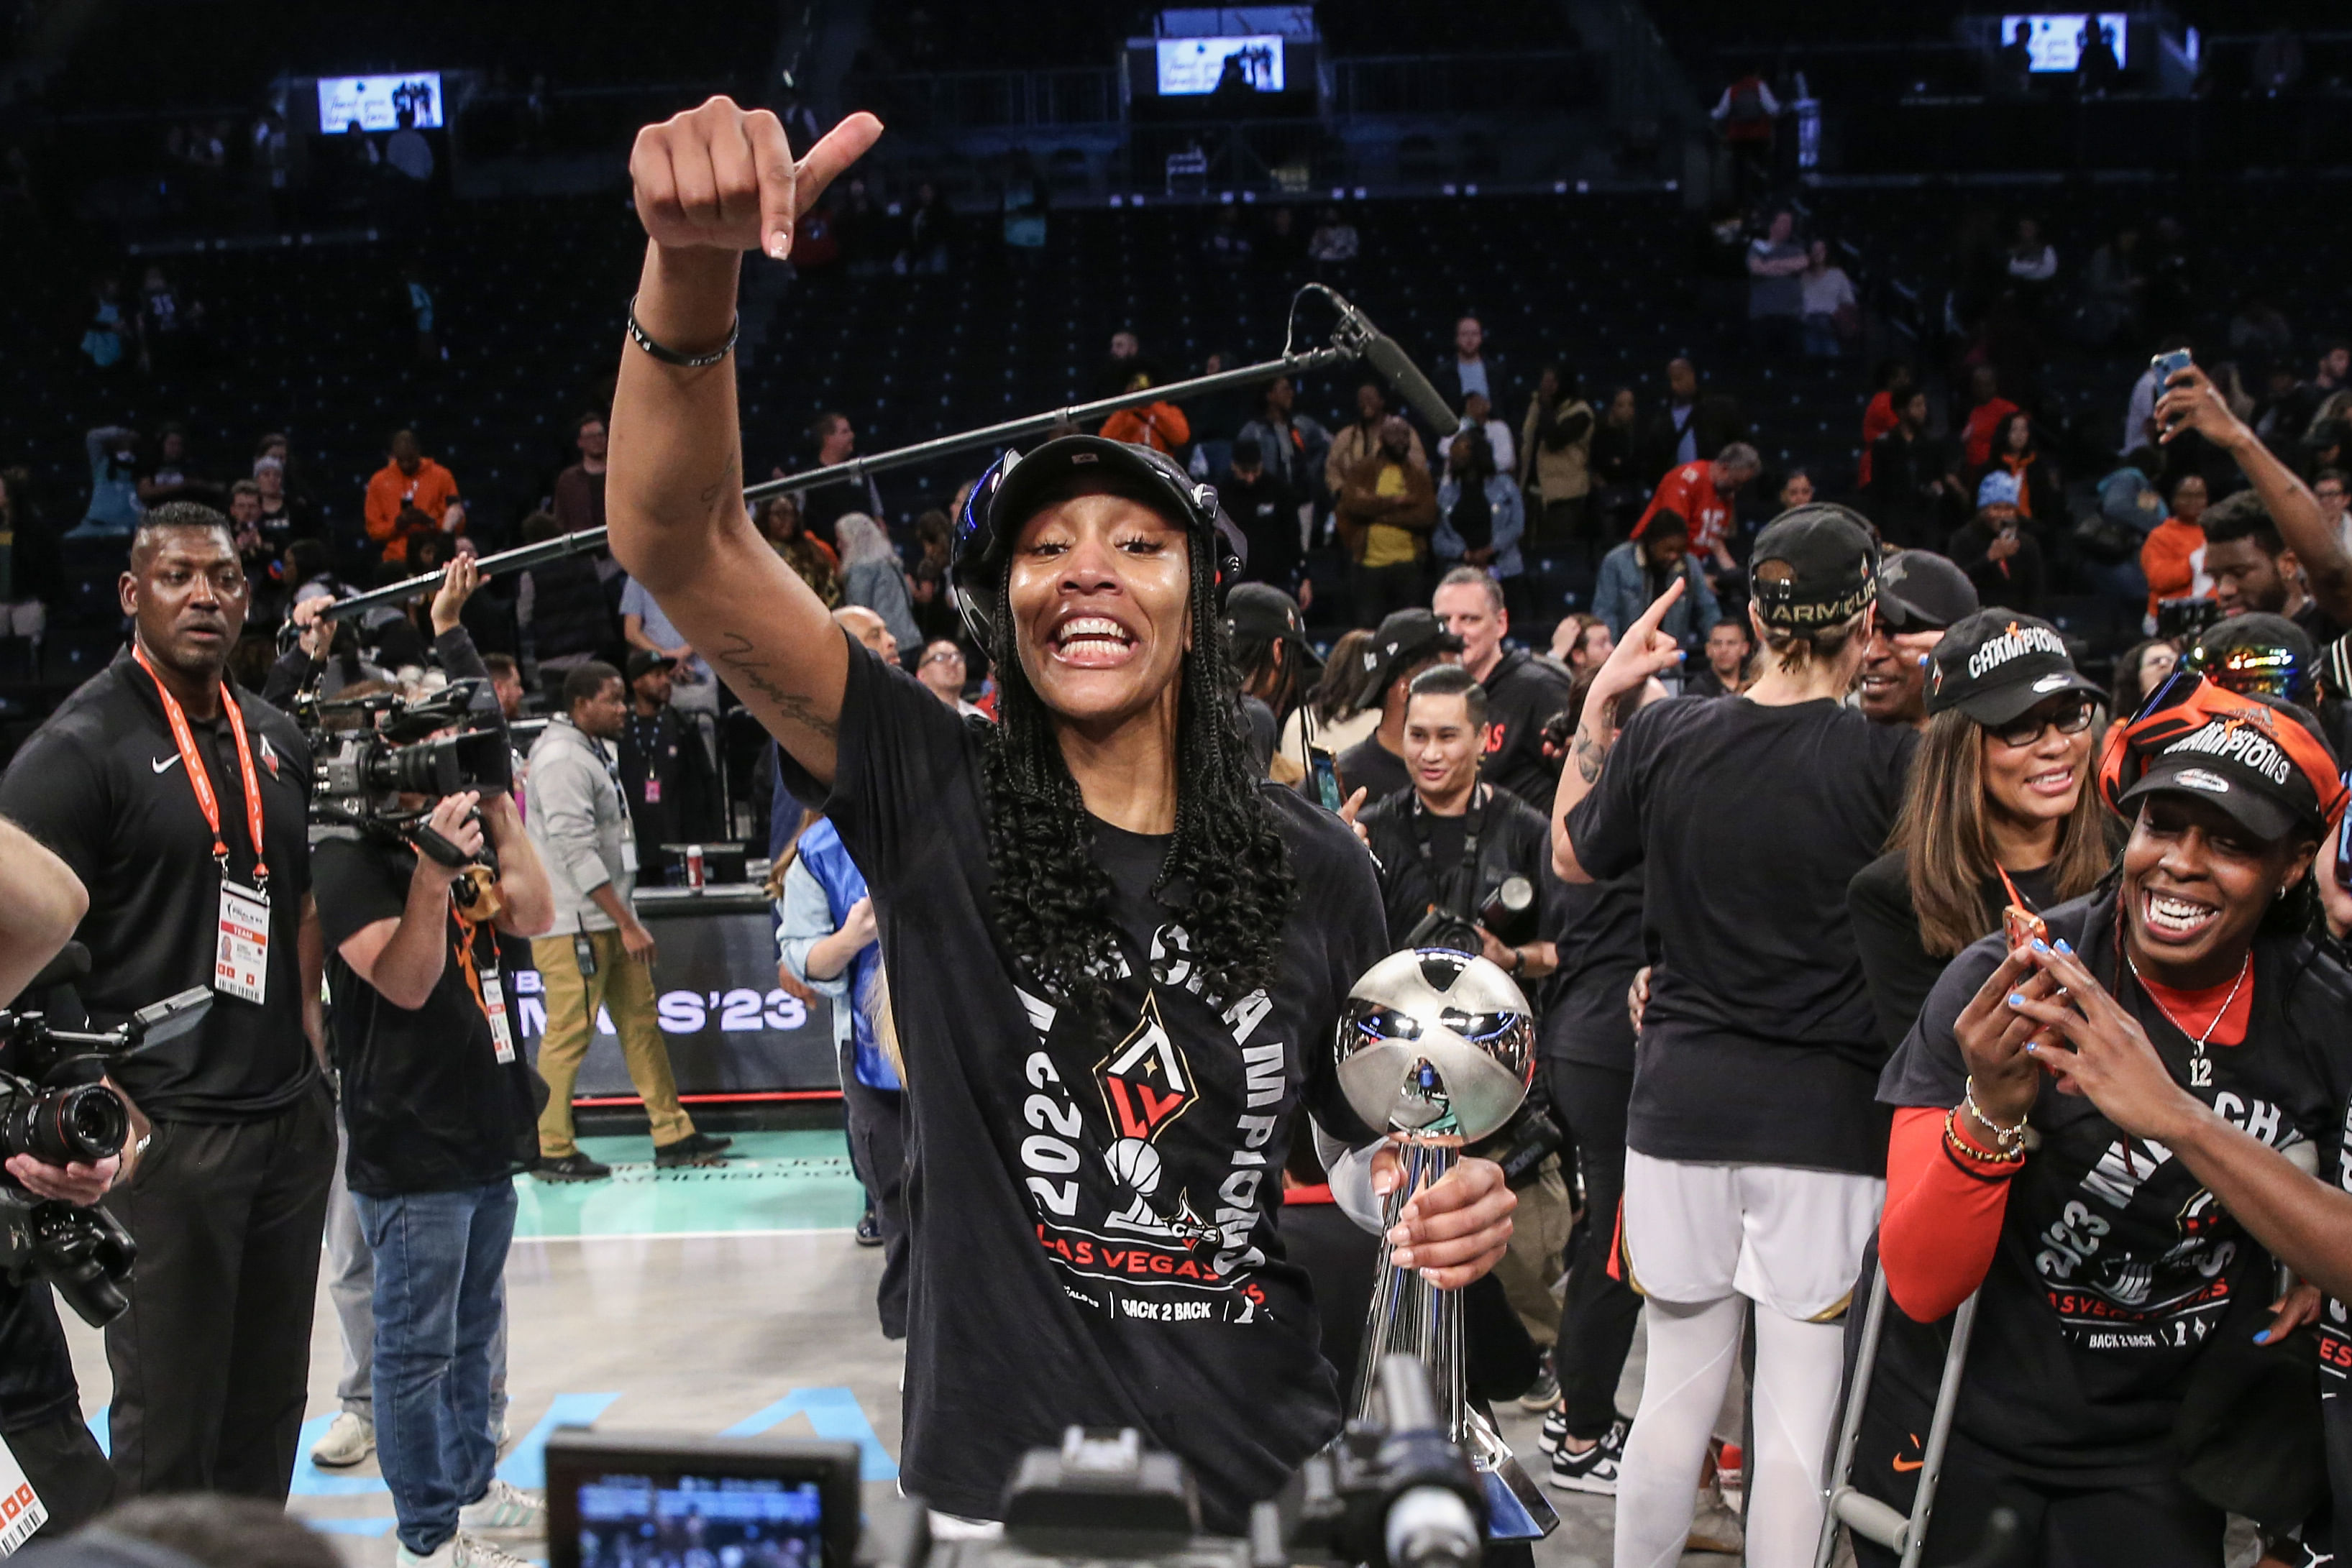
pixel 473 1552
pixel 443 1556
pixel 504 1506
pixel 349 1439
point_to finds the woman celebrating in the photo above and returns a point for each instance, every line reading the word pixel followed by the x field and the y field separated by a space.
pixel 2107 1268
pixel 1753 1146
pixel 1999 810
pixel 1119 957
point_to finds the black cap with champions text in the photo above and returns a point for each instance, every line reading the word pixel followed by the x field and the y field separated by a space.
pixel 1814 567
pixel 1404 640
pixel 2261 761
pixel 1919 590
pixel 1996 664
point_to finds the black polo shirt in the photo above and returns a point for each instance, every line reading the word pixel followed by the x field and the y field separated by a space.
pixel 102 785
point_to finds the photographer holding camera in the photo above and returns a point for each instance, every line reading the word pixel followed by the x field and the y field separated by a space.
pixel 1459 858
pixel 439 1104
pixel 40 1404
pixel 183 804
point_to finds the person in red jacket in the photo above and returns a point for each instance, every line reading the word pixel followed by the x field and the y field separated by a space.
pixel 2110 1281
pixel 1988 413
pixel 1701 494
pixel 1158 425
pixel 1880 416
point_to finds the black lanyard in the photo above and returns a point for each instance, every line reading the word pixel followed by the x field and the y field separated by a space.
pixel 1472 820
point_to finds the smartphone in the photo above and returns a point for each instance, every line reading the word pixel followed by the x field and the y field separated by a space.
pixel 2022 927
pixel 2166 366
pixel 2344 845
pixel 1327 777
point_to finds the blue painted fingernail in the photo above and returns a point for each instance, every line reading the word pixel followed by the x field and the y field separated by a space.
pixel 2017 998
pixel 2263 1337
pixel 2063 948
pixel 2030 1048
pixel 2040 945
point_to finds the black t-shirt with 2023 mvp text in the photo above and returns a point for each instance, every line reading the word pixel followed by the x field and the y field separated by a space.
pixel 429 1105
pixel 1757 1046
pixel 1093 1213
pixel 2117 1270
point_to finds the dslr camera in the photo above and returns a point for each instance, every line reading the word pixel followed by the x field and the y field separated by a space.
pixel 367 752
pixel 1395 1492
pixel 1509 913
pixel 54 1107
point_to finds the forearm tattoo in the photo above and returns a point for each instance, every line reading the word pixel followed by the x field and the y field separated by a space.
pixel 747 669
pixel 1592 751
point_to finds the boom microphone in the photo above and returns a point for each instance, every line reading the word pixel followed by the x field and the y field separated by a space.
pixel 1396 368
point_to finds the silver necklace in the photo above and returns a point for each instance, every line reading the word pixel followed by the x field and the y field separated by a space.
pixel 2200 1072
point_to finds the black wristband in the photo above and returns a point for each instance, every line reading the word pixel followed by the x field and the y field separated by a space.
pixel 638 336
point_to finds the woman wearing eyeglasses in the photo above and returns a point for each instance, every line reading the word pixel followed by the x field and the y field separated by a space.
pixel 2127 1384
pixel 1998 810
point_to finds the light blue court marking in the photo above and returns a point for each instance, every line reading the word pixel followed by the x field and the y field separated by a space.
pixel 836 1415
pixel 526 1466
pixel 102 1428
pixel 352 1526
pixel 310 1480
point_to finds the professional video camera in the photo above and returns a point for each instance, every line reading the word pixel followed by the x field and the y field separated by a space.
pixel 1394 1493
pixel 367 752
pixel 54 1107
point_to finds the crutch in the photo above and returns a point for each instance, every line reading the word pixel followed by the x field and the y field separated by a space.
pixel 1866 1516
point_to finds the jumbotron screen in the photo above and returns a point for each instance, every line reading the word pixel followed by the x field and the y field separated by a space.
pixel 2055 40
pixel 373 104
pixel 1196 64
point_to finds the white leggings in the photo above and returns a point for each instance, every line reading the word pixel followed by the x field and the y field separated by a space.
pixel 1693 1352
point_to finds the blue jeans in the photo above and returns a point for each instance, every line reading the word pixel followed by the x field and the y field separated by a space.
pixel 440 1289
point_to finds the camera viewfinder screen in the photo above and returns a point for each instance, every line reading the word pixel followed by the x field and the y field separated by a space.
pixel 700 1521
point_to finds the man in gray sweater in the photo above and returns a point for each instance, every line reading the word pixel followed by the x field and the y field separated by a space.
pixel 599 955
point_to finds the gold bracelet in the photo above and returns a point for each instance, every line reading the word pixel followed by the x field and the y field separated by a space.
pixel 1961 1146
pixel 2006 1139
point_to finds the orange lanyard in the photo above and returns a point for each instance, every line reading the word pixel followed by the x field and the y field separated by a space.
pixel 200 779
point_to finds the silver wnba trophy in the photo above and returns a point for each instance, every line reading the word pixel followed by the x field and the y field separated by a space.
pixel 1437 1048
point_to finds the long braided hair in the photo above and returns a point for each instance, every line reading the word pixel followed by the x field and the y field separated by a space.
pixel 1054 901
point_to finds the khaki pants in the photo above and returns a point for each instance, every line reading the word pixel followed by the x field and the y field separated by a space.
pixel 624 988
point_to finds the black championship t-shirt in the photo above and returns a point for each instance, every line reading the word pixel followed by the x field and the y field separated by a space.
pixel 1896 963
pixel 1757 1046
pixel 2331 1530
pixel 1523 695
pixel 430 1106
pixel 1598 940
pixel 2116 1269
pixel 1093 1214
pixel 102 783
pixel 1371 766
pixel 1514 840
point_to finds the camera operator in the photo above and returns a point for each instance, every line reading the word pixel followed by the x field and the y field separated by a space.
pixel 439 1104
pixel 1447 846
pixel 40 1404
pixel 183 804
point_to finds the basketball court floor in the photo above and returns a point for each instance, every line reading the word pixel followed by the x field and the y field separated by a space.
pixel 724 1301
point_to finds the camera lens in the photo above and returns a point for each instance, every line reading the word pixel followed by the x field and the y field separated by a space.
pixel 59 1126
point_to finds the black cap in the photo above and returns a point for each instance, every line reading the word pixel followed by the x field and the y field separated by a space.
pixel 1404 640
pixel 1813 566
pixel 1919 590
pixel 2247 759
pixel 643 659
pixel 1017 485
pixel 2257 654
pixel 1995 665
pixel 1261 610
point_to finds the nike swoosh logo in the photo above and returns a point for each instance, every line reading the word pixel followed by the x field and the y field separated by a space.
pixel 1905 1467
pixel 163 764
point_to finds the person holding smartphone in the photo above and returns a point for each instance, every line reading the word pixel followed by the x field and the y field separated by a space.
pixel 2001 558
pixel 2118 1282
